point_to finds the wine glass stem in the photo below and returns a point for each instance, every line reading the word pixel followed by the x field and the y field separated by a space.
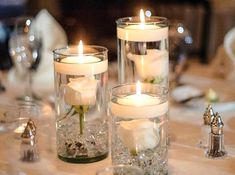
pixel 28 89
pixel 2 87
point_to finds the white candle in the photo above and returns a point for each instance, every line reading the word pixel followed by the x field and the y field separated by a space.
pixel 91 65
pixel 154 63
pixel 138 99
pixel 142 32
pixel 139 105
pixel 81 65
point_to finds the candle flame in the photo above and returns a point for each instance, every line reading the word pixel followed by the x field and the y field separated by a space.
pixel 138 88
pixel 142 18
pixel 80 51
pixel 80 48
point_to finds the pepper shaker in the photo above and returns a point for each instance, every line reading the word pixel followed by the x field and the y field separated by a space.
pixel 205 128
pixel 29 151
pixel 216 142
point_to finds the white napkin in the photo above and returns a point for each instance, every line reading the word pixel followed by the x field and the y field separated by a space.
pixel 182 93
pixel 52 36
pixel 223 65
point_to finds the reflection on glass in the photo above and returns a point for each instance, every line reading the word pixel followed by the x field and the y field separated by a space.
pixel 24 45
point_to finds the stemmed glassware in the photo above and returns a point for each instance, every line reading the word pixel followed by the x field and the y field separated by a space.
pixel 24 48
pixel 181 43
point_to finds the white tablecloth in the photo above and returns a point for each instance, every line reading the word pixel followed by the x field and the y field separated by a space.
pixel 184 156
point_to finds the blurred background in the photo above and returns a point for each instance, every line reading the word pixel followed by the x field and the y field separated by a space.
pixel 202 23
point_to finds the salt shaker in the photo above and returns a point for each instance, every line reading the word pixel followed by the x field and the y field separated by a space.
pixel 29 150
pixel 216 141
pixel 205 129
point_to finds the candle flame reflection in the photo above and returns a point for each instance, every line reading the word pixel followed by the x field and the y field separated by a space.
pixel 138 88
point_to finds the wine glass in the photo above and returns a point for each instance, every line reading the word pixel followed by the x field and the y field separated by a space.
pixel 24 48
pixel 180 45
pixel 14 118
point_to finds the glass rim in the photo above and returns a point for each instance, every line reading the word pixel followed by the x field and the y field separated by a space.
pixel 17 113
pixel 106 169
pixel 22 19
pixel 162 88
pixel 136 20
pixel 59 51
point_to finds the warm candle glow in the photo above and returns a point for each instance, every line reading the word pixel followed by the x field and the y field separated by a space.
pixel 142 18
pixel 80 51
pixel 138 88
pixel 143 29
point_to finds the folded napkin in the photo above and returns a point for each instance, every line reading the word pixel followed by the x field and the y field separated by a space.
pixel 52 36
pixel 185 93
pixel 223 65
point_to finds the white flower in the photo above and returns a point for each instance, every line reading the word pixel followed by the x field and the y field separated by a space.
pixel 155 63
pixel 139 135
pixel 81 91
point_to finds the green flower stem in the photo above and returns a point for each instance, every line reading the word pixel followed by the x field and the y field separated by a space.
pixel 133 152
pixel 154 80
pixel 82 121
pixel 81 110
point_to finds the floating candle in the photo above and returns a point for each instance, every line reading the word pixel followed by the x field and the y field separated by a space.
pixel 139 105
pixel 142 31
pixel 81 64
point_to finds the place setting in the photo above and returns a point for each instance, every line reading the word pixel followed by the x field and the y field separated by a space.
pixel 74 108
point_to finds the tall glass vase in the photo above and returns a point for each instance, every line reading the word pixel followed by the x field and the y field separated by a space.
pixel 81 120
pixel 143 50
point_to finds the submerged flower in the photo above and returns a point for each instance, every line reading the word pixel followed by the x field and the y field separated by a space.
pixel 138 135
pixel 154 63
pixel 81 91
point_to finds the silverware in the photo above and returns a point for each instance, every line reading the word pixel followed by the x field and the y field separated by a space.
pixel 191 98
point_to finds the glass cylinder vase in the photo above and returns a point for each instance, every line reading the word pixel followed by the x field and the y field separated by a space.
pixel 120 170
pixel 143 50
pixel 81 91
pixel 139 126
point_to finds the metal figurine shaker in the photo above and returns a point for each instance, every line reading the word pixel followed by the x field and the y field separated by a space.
pixel 29 150
pixel 216 141
pixel 205 130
